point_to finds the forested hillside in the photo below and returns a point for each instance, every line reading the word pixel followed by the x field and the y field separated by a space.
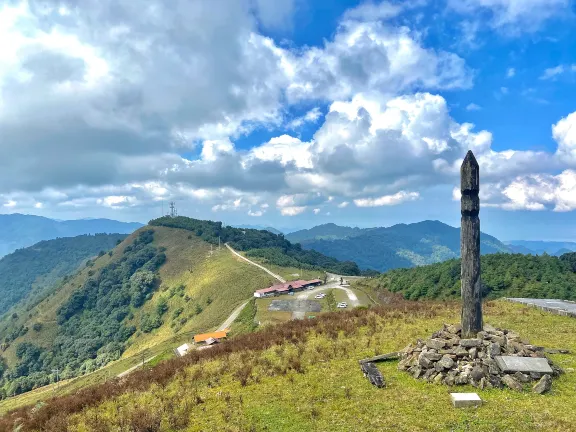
pixel 92 324
pixel 30 270
pixel 401 246
pixel 273 248
pixel 503 275
pixel 327 231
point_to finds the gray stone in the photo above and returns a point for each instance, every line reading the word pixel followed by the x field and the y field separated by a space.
pixel 523 378
pixel 472 352
pixel 544 385
pixel 512 383
pixel 425 361
pixel 461 351
pixel 461 379
pixel 439 378
pixel 483 384
pixel 477 373
pixel 438 367
pixel 523 364
pixel 428 374
pixel 431 356
pixel 495 381
pixel 446 362
pixel 493 370
pixel 494 349
pixel 500 340
pixel 417 372
pixel 462 400
pixel 449 380
pixel 435 344
pixel 469 343
pixel 454 329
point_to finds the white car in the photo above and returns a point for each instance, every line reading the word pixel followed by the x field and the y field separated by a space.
pixel 320 296
pixel 342 305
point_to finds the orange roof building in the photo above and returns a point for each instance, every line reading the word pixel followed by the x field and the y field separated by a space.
pixel 216 335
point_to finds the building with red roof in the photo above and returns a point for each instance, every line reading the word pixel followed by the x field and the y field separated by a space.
pixel 286 288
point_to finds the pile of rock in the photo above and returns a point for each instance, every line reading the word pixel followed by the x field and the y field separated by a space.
pixel 448 359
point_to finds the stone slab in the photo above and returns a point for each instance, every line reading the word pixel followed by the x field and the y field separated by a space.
pixel 523 364
pixel 463 400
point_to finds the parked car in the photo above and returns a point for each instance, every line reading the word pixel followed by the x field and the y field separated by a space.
pixel 320 296
pixel 342 305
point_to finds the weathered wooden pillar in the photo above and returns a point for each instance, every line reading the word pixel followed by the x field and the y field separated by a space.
pixel 470 247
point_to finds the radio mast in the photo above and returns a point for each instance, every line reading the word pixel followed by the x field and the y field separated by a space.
pixel 173 211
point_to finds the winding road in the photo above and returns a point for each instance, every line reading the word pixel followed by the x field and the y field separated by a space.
pixel 274 275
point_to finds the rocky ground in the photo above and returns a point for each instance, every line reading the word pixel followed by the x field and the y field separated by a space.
pixel 448 359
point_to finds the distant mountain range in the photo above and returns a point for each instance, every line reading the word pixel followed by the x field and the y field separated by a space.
pixel 19 231
pixel 398 246
pixel 555 248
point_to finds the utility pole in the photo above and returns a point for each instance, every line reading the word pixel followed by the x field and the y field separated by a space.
pixel 218 242
pixel 470 247
pixel 56 371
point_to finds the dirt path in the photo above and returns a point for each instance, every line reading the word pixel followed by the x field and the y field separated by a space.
pixel 133 368
pixel 274 275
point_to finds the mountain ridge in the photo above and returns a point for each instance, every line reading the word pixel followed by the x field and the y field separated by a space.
pixel 21 230
pixel 397 246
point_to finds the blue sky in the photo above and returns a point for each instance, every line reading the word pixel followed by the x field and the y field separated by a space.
pixel 291 113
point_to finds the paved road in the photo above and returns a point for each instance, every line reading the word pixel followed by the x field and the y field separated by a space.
pixel 256 264
pixel 561 307
pixel 226 324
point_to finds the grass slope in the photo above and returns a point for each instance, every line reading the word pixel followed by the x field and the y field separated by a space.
pixel 198 291
pixel 304 375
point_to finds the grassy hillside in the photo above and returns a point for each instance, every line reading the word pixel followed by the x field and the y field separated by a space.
pixel 156 289
pixel 27 272
pixel 304 376
pixel 272 248
pixel 510 275
pixel 400 246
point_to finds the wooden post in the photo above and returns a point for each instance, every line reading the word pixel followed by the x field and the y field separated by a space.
pixel 470 247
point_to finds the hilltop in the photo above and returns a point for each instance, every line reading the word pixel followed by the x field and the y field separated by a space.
pixel 503 275
pixel 398 246
pixel 304 375
pixel 19 230
pixel 163 283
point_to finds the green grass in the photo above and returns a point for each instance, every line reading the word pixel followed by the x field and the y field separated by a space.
pixel 330 393
pixel 246 321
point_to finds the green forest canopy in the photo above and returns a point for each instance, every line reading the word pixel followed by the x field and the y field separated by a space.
pixel 42 264
pixel 273 248
pixel 503 275
pixel 94 324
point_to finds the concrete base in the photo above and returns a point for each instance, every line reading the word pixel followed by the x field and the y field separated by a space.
pixel 463 400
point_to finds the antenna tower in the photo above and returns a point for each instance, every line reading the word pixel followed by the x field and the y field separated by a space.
pixel 173 211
